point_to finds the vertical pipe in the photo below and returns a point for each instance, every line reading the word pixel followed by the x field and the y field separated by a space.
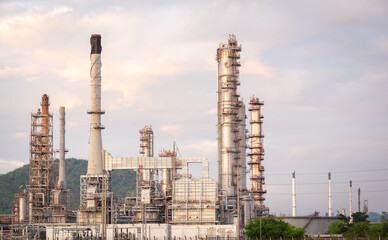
pixel 242 139
pixel 22 208
pixel 62 173
pixel 330 209
pixel 359 201
pixel 293 195
pixel 350 202
pixel 95 145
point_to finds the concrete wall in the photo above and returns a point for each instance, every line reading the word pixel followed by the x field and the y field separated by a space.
pixel 151 231
pixel 312 225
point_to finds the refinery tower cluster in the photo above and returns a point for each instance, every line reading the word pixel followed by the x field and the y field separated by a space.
pixel 168 202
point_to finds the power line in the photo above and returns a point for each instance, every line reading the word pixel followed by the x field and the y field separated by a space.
pixel 325 183
pixel 339 172
pixel 311 193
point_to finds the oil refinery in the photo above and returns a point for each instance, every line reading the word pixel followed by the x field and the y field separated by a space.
pixel 168 202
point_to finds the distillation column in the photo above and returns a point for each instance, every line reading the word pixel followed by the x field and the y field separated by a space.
pixel 41 162
pixel 257 156
pixel 227 110
pixel 147 149
pixel 242 141
pixel 147 182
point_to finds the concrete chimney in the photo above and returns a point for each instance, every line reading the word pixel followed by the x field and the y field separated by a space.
pixel 293 195
pixel 62 173
pixel 95 142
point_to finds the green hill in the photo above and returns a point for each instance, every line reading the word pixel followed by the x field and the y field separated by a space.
pixel 123 182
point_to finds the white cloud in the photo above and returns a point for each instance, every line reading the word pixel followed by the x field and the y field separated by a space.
pixel 319 67
pixel 212 111
pixel 9 165
pixel 21 134
pixel 173 129
pixel 202 148
pixel 257 68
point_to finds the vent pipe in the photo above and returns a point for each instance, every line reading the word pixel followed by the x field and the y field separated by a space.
pixel 293 195
pixel 359 201
pixel 330 209
pixel 350 202
pixel 62 173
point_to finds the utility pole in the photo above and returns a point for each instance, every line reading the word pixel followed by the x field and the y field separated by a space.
pixel 104 207
pixel 238 201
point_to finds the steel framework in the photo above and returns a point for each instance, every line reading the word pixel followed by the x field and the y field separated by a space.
pixel 41 163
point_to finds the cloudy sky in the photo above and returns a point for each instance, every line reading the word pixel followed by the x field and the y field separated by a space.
pixel 320 66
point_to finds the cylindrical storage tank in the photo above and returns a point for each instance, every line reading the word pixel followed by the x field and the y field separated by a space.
pixel 22 209
pixel 166 175
pixel 30 196
pixel 247 202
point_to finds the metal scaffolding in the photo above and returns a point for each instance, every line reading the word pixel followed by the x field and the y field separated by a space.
pixel 194 201
pixel 41 163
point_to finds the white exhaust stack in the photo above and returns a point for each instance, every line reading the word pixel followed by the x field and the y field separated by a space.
pixel 330 209
pixel 293 195
pixel 359 199
pixel 62 174
pixel 350 202
pixel 95 142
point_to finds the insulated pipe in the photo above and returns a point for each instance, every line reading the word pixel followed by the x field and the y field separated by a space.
pixel 95 142
pixel 45 112
pixel 22 208
pixel 293 195
pixel 166 176
pixel 242 155
pixel 350 202
pixel 247 202
pixel 62 174
pixel 330 209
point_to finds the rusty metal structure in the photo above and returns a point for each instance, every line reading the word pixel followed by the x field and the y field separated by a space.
pixel 44 199
pixel 42 179
pixel 257 156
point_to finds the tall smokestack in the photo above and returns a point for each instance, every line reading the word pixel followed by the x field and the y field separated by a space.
pixel 359 200
pixel 95 142
pixel 293 195
pixel 62 174
pixel 330 209
pixel 350 202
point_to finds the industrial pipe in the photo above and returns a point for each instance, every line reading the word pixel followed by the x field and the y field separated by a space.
pixel 62 173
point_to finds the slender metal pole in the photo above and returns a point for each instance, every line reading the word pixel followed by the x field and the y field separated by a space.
pixel 238 201
pixel 329 182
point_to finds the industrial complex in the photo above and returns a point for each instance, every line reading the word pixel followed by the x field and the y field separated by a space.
pixel 168 203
